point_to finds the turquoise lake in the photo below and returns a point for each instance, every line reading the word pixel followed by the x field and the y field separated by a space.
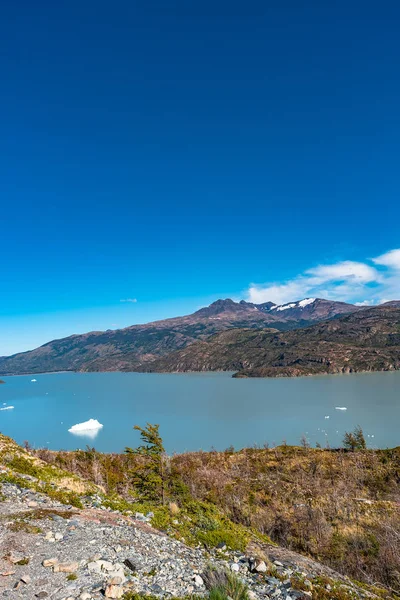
pixel 199 411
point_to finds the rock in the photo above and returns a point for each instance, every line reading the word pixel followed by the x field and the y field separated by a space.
pixel 26 579
pixel 130 564
pixel 251 595
pixel 85 596
pixel 260 567
pixel 94 566
pixel 98 566
pixel 58 536
pixel 32 504
pixel 50 562
pixel 198 581
pixel 15 557
pixel 234 567
pixel 66 567
pixel 113 591
pixel 41 595
pixel 221 546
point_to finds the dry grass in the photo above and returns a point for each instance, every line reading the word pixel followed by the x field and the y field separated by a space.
pixel 339 507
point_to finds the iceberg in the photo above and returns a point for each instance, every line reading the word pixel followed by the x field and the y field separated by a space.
pixel 7 408
pixel 33 380
pixel 340 407
pixel 88 428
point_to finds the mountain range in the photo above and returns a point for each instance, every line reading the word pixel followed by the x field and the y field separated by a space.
pixel 227 335
pixel 365 340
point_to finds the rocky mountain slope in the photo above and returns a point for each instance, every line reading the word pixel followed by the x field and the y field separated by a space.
pixel 130 348
pixel 77 547
pixel 366 340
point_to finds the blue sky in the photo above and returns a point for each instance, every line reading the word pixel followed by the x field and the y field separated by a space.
pixel 174 153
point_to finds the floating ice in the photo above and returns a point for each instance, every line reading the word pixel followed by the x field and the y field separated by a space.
pixel 88 429
pixel 327 417
pixel 90 425
pixel 33 380
pixel 340 407
pixel 7 408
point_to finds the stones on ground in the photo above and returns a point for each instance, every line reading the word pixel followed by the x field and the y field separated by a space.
pixel 257 566
pixel 50 562
pixel 261 567
pixel 16 557
pixel 66 567
pixel 113 591
pixel 98 566
pixel 118 555
pixel 130 564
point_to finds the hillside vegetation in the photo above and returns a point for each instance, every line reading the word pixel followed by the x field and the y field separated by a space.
pixel 367 340
pixel 339 507
pixel 143 526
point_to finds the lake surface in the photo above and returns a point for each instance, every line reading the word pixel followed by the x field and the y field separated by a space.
pixel 200 410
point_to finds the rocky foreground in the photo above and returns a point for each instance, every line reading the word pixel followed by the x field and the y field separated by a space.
pixel 55 551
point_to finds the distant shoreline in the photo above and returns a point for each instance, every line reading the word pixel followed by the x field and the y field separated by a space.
pixel 234 374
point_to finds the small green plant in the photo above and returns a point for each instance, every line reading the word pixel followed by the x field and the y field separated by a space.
pixel 24 526
pixel 72 577
pixel 223 585
pixel 23 561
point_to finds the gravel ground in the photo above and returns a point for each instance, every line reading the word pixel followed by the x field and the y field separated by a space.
pixel 96 553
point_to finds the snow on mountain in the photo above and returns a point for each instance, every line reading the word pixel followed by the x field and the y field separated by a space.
pixel 298 304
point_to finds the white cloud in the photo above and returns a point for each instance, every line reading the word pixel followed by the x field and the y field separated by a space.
pixel 343 271
pixel 364 303
pixel 347 281
pixel 390 259
pixel 133 300
pixel 278 293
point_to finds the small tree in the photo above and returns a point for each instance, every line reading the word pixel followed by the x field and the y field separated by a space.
pixel 148 475
pixel 354 440
pixel 304 442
